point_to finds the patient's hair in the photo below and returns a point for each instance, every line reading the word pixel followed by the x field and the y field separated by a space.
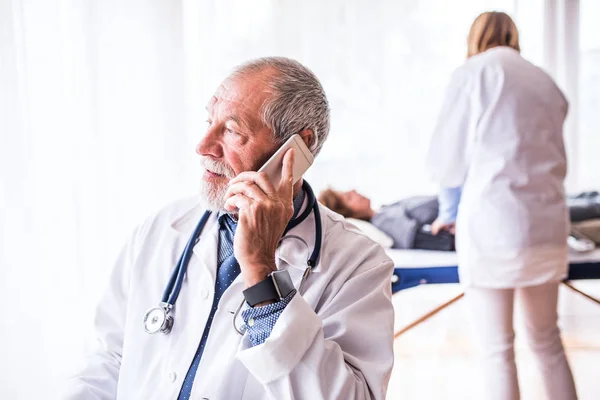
pixel 332 200
pixel 492 29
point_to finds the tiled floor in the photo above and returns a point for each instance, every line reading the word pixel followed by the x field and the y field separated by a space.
pixel 437 359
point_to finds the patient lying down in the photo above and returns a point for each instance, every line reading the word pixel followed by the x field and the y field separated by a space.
pixel 406 224
pixel 401 225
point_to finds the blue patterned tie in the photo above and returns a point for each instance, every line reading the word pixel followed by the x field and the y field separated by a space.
pixel 228 270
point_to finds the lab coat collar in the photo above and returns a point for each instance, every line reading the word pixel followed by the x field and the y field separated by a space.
pixel 294 248
pixel 206 249
pixel 185 222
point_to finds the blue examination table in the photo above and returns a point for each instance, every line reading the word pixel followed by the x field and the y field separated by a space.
pixel 419 267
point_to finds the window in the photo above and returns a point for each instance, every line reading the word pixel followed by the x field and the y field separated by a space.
pixel 589 96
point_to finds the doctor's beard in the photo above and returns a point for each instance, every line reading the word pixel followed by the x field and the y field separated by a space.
pixel 212 194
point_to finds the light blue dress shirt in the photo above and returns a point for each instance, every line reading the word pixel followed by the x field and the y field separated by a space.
pixel 449 199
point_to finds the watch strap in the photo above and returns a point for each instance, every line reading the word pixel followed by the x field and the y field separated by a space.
pixel 275 287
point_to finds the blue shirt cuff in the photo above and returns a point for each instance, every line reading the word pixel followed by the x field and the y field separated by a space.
pixel 261 320
pixel 449 199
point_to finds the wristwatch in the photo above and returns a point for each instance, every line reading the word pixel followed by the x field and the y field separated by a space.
pixel 277 286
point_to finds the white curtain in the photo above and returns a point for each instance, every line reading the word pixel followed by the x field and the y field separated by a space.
pixel 91 141
pixel 102 102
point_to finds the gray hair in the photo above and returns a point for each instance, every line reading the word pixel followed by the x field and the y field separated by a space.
pixel 297 102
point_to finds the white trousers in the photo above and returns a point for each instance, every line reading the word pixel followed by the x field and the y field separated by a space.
pixel 492 315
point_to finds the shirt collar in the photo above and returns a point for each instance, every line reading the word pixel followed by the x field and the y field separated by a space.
pixel 298 201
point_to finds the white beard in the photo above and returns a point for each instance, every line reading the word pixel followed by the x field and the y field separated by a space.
pixel 212 194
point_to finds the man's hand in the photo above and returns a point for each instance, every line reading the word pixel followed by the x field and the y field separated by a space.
pixel 439 226
pixel 264 212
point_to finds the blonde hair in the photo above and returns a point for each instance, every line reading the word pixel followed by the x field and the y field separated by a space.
pixel 332 200
pixel 492 29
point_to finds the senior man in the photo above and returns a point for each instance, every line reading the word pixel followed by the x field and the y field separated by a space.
pixel 234 321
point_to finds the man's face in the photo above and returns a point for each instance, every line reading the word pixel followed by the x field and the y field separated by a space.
pixel 236 139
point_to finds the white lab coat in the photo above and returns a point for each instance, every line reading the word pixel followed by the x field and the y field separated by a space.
pixel 332 342
pixel 500 135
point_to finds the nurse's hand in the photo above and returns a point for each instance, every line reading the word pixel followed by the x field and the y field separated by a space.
pixel 265 209
pixel 437 226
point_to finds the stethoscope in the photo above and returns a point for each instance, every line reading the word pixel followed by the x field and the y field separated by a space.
pixel 157 319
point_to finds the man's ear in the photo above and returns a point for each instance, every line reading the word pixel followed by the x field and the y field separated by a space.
pixel 308 137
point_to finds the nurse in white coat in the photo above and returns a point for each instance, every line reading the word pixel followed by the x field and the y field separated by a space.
pixel 499 141
pixel 332 340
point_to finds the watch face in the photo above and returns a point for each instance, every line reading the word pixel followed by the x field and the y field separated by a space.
pixel 283 283
pixel 154 320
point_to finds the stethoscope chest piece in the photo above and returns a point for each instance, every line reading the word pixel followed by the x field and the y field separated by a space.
pixel 157 319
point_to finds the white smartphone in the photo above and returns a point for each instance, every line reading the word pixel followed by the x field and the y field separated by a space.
pixel 302 161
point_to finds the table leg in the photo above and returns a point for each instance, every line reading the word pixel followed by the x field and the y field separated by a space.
pixel 570 286
pixel 428 315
